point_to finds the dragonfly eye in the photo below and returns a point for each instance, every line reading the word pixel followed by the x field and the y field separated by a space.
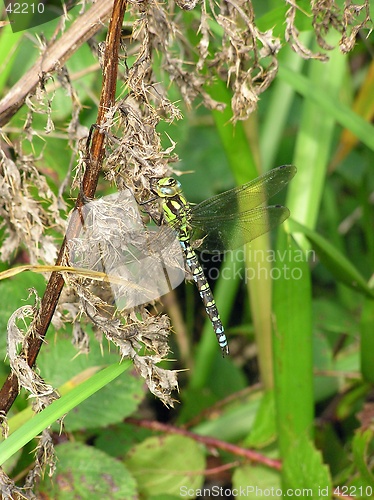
pixel 168 187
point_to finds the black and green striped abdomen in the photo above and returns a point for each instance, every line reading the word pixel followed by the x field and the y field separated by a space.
pixel 205 294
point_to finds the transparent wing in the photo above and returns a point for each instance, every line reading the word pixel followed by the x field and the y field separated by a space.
pixel 224 233
pixel 113 240
pixel 247 196
pixel 231 219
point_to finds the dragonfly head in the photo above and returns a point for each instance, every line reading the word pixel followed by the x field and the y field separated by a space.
pixel 166 187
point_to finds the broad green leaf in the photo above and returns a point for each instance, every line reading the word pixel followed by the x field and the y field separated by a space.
pixel 234 424
pixel 304 473
pixel 169 465
pixel 10 43
pixel 86 473
pixel 117 440
pixel 256 482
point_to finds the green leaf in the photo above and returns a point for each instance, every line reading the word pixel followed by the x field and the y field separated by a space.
pixel 83 472
pixel 117 440
pixel 263 430
pixel 273 18
pixel 238 151
pixel 234 424
pixel 256 482
pixel 351 401
pixel 110 405
pixel 304 472
pixel 168 465
pixel 9 44
pixel 324 387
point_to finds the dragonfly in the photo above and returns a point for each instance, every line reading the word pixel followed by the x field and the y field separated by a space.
pixel 225 221
pixel 142 264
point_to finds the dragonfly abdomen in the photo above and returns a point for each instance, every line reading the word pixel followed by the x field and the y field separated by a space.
pixel 205 294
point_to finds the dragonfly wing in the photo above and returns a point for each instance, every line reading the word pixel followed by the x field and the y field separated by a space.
pixel 229 232
pixel 157 273
pixel 141 265
pixel 245 197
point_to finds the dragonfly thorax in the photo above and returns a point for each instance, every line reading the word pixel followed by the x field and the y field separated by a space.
pixel 176 209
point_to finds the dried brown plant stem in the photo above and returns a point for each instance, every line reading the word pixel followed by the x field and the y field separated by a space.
pixel 9 391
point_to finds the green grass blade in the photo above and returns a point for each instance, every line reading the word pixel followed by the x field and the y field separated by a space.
pixel 242 164
pixel 9 42
pixel 58 408
pixel 234 138
pixel 292 343
pixel 278 109
pixel 259 285
pixel 327 101
pixel 292 295
pixel 367 340
pixel 241 158
pixel 334 260
pixel 314 141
